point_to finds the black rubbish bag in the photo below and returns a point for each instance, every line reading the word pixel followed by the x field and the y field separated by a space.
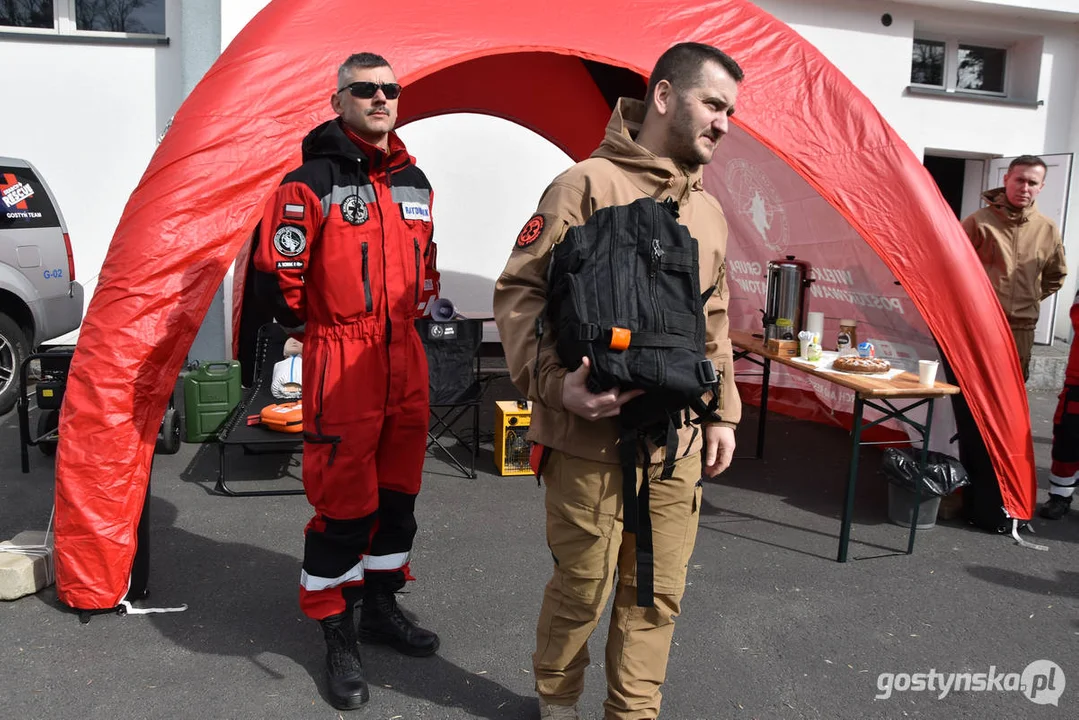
pixel 943 473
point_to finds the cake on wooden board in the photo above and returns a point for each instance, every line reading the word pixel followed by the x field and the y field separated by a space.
pixel 856 364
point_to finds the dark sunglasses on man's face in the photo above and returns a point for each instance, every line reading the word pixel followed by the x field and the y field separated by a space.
pixel 366 90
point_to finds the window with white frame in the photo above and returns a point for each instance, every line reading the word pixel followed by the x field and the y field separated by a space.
pixel 94 17
pixel 959 66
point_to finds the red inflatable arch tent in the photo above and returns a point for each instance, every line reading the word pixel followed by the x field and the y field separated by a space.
pixel 810 168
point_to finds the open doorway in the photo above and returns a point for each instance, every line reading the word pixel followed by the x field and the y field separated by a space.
pixel 949 173
pixel 961 179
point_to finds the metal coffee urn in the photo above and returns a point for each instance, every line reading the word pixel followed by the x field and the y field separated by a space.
pixel 785 298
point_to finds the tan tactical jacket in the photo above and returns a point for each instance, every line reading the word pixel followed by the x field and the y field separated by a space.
pixel 618 172
pixel 1022 253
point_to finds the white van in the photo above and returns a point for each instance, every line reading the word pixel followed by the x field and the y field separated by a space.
pixel 39 297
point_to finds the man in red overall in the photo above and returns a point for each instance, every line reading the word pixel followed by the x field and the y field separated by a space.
pixel 341 251
pixel 1064 472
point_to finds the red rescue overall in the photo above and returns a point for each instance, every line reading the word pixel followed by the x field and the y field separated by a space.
pixel 341 250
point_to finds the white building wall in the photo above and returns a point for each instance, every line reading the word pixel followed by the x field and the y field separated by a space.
pixel 877 60
pixel 88 115
pixel 235 14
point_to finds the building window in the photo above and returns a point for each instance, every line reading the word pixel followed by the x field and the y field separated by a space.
pixel 949 64
pixel 27 14
pixel 927 63
pixel 981 68
pixel 85 17
pixel 123 16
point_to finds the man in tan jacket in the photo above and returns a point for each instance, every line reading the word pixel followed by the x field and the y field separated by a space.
pixel 652 149
pixel 1020 248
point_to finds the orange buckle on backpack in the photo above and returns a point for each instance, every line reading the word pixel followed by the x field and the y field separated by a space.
pixel 283 417
pixel 619 338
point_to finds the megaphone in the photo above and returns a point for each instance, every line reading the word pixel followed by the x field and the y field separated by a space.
pixel 442 310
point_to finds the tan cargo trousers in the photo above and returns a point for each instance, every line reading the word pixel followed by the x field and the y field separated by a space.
pixel 1024 343
pixel 584 532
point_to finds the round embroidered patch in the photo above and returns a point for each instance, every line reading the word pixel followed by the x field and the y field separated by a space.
pixel 530 232
pixel 354 210
pixel 289 240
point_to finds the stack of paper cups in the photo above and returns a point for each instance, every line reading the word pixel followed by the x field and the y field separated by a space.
pixel 815 324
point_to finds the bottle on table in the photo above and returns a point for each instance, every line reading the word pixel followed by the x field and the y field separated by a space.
pixel 847 339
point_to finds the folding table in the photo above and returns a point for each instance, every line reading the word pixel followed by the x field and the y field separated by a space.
pixel 872 391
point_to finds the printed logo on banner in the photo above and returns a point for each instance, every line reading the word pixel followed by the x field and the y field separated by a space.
pixel 415 211
pixel 354 210
pixel 757 199
pixel 289 240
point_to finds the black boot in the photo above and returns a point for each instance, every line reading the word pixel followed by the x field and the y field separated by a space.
pixel 382 622
pixel 1056 507
pixel 346 684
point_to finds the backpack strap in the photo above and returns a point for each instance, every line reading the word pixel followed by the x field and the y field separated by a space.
pixel 661 340
pixel 709 378
pixel 671 447
pixel 706 412
pixel 636 518
pixel 539 344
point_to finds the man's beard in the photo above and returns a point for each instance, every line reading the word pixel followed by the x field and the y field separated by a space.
pixel 683 146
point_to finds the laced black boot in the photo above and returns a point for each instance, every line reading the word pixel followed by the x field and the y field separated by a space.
pixel 346 684
pixel 382 622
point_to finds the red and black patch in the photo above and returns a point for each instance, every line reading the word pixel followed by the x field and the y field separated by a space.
pixel 530 232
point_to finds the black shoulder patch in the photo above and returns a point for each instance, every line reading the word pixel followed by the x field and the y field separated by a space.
pixel 411 176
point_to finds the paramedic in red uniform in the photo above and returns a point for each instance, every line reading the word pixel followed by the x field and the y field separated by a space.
pixel 341 251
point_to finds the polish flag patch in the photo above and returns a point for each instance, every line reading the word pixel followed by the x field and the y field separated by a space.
pixel 294 212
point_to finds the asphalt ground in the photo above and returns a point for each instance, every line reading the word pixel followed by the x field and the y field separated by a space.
pixel 772 626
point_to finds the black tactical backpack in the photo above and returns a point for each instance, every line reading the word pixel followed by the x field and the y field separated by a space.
pixel 624 291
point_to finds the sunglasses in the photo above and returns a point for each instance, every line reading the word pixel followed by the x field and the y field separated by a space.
pixel 366 90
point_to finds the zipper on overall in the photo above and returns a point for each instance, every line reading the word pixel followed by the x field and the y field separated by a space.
pixel 368 303
pixel 385 280
pixel 419 279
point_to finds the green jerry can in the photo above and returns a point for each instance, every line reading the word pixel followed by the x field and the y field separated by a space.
pixel 211 391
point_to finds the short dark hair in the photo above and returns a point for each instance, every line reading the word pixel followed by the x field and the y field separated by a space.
pixel 1029 160
pixel 359 61
pixel 681 66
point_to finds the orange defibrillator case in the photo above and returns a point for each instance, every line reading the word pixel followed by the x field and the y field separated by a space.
pixel 283 417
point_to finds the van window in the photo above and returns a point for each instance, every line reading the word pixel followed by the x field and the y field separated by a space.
pixel 23 201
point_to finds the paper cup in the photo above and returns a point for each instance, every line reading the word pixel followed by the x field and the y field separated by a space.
pixel 927 372
pixel 815 324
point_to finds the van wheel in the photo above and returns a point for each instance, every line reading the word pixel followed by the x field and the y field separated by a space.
pixel 46 423
pixel 14 349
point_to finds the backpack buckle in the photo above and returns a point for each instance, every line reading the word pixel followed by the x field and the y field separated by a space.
pixel 706 372
pixel 620 339
pixel 587 332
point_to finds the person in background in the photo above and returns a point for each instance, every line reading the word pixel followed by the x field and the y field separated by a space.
pixel 340 252
pixel 1020 248
pixel 656 148
pixel 1064 472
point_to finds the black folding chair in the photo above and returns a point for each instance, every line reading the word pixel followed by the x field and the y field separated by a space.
pixel 256 439
pixel 453 361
